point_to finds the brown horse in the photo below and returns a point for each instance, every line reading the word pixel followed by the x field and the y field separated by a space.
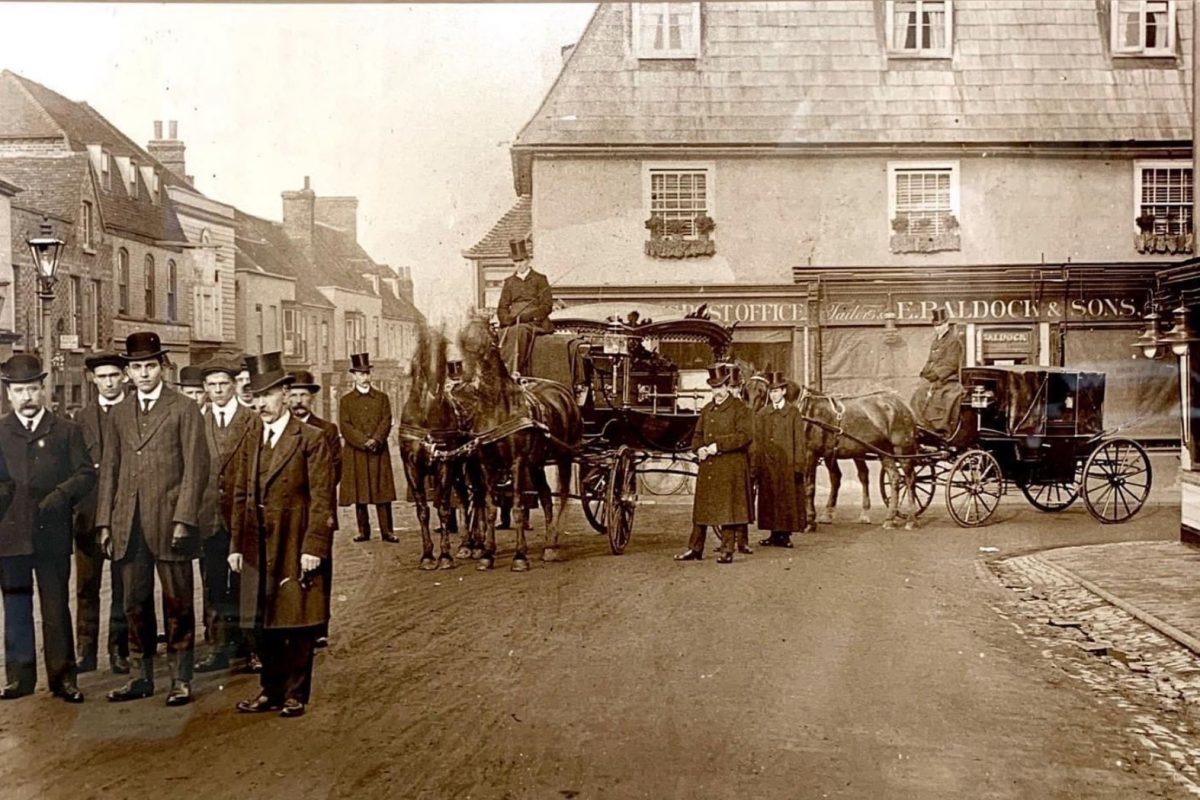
pixel 872 425
pixel 521 427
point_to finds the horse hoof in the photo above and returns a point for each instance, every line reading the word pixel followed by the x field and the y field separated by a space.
pixel 551 554
pixel 910 526
pixel 485 564
pixel 463 553
pixel 810 528
pixel 825 518
pixel 865 519
pixel 428 563
pixel 445 562
pixel 520 565
pixel 887 525
pixel 476 553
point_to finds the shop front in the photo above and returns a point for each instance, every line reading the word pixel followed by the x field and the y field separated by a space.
pixel 1179 340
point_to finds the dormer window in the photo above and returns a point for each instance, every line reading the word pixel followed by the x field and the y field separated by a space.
pixel 133 179
pixel 373 280
pixel 106 168
pixel 1143 27
pixel 920 28
pixel 666 30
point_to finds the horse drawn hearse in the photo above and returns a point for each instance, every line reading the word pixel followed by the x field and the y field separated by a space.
pixel 1040 429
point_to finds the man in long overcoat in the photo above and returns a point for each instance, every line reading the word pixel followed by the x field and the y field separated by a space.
pixel 283 533
pixel 108 374
pixel 365 419
pixel 722 440
pixel 45 470
pixel 936 402
pixel 153 475
pixel 777 457
pixel 523 310
pixel 227 425
pixel 300 399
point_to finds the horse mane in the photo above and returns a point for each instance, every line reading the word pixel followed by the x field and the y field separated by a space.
pixel 481 358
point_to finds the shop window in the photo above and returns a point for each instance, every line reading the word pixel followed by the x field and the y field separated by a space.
pixel 1163 197
pixel 923 201
pixel 921 28
pixel 666 30
pixel 1143 27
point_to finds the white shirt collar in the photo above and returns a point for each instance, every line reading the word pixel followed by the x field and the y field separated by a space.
pixel 361 390
pixel 276 428
pixel 243 403
pixel 528 272
pixel 779 406
pixel 151 396
pixel 110 403
pixel 228 409
pixel 37 419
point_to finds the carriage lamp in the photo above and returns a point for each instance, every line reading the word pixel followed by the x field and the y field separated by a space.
pixel 1148 341
pixel 1180 336
pixel 46 250
pixel 616 342
pixel 890 334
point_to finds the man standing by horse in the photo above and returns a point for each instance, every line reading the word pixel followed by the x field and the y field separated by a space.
pixel 365 418
pixel 937 400
pixel 524 310
pixel 778 464
pixel 722 440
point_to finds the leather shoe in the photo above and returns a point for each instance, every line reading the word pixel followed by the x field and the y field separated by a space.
pixel 389 538
pixel 258 705
pixel 69 692
pixel 180 694
pixel 362 537
pixel 14 690
pixel 86 664
pixel 745 550
pixel 292 708
pixel 118 664
pixel 725 558
pixel 136 689
pixel 215 662
pixel 689 555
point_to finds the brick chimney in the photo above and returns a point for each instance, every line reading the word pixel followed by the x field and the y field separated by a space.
pixel 405 283
pixel 339 212
pixel 169 151
pixel 298 215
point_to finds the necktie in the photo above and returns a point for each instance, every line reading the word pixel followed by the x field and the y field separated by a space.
pixel 145 405
pixel 29 424
pixel 220 419
pixel 271 439
pixel 104 408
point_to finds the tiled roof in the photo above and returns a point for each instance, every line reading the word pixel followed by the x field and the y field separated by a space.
pixel 345 261
pixel 49 185
pixel 517 223
pixel 263 246
pixel 780 73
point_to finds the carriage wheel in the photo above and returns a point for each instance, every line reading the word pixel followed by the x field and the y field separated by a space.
pixel 593 492
pixel 1054 496
pixel 621 500
pixel 973 488
pixel 925 475
pixel 1116 480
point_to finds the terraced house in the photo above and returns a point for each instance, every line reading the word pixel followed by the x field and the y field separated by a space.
pixel 825 174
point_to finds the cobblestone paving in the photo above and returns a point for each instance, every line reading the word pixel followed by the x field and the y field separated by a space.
pixel 1152 678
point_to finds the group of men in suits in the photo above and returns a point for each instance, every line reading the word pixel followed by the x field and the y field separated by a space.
pixel 240 475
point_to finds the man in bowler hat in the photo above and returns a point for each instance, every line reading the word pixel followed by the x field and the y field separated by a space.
pixel 108 374
pixel 937 400
pixel 152 480
pixel 524 309
pixel 45 470
pixel 303 392
pixel 365 418
pixel 191 385
pixel 283 530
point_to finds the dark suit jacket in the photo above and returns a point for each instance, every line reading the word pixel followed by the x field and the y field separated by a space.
pixel 526 301
pixel 276 520
pixel 91 421
pixel 51 465
pixel 945 359
pixel 155 465
pixel 334 442
pixel 218 492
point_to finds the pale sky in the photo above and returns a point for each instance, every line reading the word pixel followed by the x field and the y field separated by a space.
pixel 411 108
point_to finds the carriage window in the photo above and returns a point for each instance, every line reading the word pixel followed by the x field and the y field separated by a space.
pixel 1143 27
pixel 920 28
pixel 923 199
pixel 680 201
pixel 1164 198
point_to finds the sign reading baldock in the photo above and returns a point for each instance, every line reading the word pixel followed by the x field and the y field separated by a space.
pixel 1093 308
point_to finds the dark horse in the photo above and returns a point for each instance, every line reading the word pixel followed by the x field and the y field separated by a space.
pixel 879 424
pixel 521 427
pixel 430 420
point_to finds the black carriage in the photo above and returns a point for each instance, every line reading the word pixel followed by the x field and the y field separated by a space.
pixel 639 378
pixel 1040 429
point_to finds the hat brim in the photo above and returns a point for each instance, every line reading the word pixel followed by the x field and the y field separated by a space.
pixel 780 385
pixel 23 378
pixel 364 370
pixel 715 382
pixel 312 387
pixel 147 356
pixel 260 384
pixel 108 361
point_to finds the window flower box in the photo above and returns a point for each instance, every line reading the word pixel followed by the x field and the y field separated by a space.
pixel 1150 243
pixel 920 236
pixel 680 238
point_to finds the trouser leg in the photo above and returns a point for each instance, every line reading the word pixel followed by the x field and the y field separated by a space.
pixel 16 583
pixel 137 577
pixel 218 614
pixel 179 616
pixel 696 540
pixel 384 512
pixel 118 623
pixel 269 649
pixel 728 539
pixel 89 572
pixel 363 519
pixel 58 638
pixel 327 569
pixel 295 663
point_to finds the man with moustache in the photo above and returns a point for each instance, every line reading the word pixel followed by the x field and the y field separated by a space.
pixel 45 470
pixel 282 535
pixel 300 399
pixel 108 376
pixel 152 480
pixel 365 419
pixel 227 426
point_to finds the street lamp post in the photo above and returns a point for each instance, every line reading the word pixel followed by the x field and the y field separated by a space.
pixel 46 250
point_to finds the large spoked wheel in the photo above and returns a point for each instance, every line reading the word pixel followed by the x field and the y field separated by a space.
pixel 621 500
pixel 1116 480
pixel 1053 496
pixel 925 475
pixel 593 492
pixel 973 488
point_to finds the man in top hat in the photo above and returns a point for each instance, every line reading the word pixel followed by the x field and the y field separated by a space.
pixel 300 399
pixel 45 470
pixel 283 531
pixel 108 374
pixel 936 402
pixel 228 425
pixel 777 464
pixel 365 419
pixel 191 385
pixel 524 309
pixel 722 439
pixel 152 481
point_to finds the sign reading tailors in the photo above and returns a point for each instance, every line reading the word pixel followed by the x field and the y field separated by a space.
pixel 1077 309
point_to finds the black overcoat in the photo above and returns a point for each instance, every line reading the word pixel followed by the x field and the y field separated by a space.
pixel 366 477
pixel 50 464
pixel 723 483
pixel 778 462
pixel 292 517
pixel 333 441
